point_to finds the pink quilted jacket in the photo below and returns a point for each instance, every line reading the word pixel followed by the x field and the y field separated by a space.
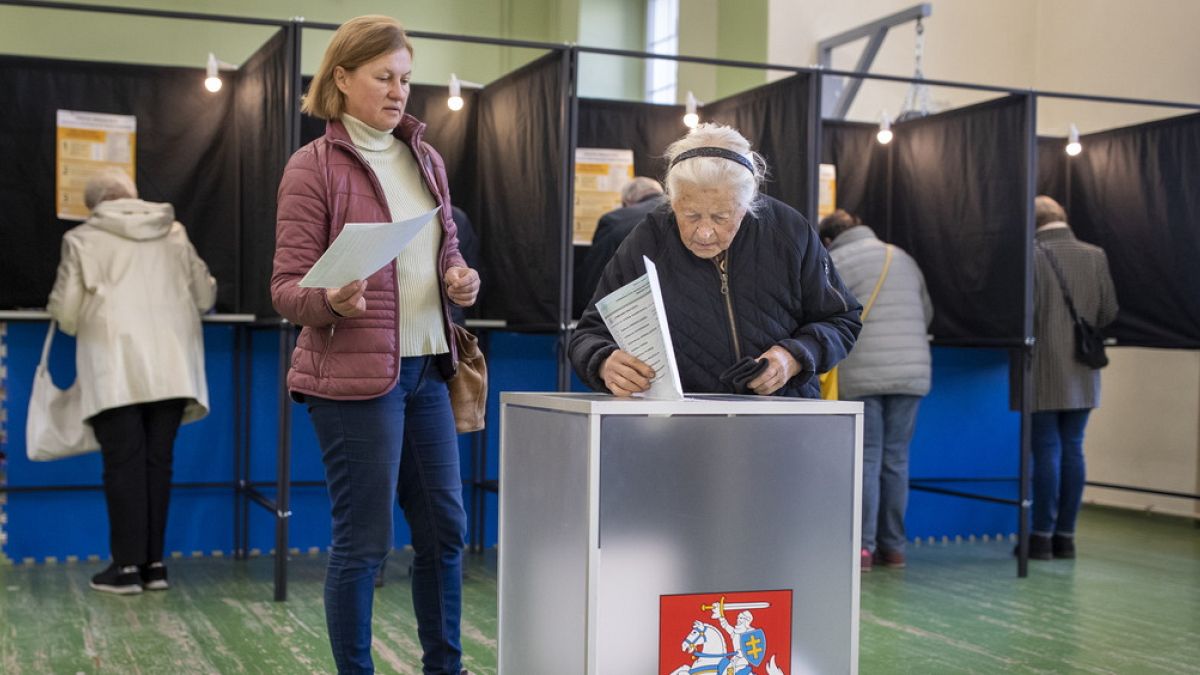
pixel 326 184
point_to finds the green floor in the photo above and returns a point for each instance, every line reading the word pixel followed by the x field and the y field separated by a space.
pixel 1130 604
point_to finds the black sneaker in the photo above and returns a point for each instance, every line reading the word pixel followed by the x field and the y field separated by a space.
pixel 1039 547
pixel 154 576
pixel 1063 547
pixel 119 580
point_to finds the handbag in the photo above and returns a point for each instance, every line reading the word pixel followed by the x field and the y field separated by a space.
pixel 1089 341
pixel 829 380
pixel 468 386
pixel 54 426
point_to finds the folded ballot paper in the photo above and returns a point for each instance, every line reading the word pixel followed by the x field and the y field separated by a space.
pixel 361 249
pixel 635 316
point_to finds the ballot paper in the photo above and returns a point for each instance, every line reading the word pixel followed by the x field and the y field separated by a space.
pixel 361 249
pixel 635 316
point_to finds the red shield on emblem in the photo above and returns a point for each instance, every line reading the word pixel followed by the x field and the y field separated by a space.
pixel 725 633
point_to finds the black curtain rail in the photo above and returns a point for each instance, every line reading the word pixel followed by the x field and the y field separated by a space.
pixel 154 13
pixel 473 39
pixel 967 495
pixel 1149 491
pixel 25 489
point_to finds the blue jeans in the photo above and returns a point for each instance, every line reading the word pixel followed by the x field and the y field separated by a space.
pixel 1058 469
pixel 888 423
pixel 400 444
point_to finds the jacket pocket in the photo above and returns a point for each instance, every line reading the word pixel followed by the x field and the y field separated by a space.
pixel 325 351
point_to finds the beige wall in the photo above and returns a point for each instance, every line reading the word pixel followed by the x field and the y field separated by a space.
pixel 1147 432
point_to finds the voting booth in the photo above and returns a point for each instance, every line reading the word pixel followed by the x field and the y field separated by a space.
pixel 672 535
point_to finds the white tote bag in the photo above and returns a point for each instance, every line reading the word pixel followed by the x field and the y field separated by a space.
pixel 55 428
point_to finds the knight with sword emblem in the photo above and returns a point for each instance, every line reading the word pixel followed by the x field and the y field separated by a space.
pixel 749 643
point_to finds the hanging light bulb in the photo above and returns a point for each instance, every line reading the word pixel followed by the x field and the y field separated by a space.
pixel 1073 145
pixel 690 118
pixel 885 129
pixel 455 102
pixel 212 81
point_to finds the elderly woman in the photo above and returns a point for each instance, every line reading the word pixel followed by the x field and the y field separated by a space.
pixel 131 288
pixel 743 277
pixel 373 357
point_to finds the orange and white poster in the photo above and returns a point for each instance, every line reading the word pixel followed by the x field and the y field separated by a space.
pixel 600 173
pixel 826 190
pixel 743 633
pixel 86 144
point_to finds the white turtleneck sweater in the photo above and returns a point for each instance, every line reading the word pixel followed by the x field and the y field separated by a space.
pixel 420 307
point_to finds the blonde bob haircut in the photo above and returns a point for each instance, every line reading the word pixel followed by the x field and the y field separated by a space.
pixel 358 41
pixel 716 172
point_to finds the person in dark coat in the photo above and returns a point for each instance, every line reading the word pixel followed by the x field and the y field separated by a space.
pixel 639 197
pixel 743 276
pixel 1064 390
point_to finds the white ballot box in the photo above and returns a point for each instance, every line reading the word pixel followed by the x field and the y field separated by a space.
pixel 716 534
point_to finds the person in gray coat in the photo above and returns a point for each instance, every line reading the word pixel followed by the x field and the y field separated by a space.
pixel 888 370
pixel 1064 389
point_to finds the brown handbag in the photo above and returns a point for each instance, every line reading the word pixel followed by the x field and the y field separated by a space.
pixel 468 387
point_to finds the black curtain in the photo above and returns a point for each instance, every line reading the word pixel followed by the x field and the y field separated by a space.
pixel 1135 192
pixel 262 102
pixel 186 155
pixel 862 171
pixel 774 118
pixel 645 128
pixel 958 206
pixel 1052 169
pixel 521 195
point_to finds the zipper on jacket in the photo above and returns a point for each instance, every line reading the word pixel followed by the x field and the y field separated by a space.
pixel 832 287
pixel 325 351
pixel 724 274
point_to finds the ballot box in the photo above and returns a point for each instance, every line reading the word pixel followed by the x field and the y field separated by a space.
pixel 716 534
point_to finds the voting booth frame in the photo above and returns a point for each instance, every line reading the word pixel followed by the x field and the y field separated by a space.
pixel 553 263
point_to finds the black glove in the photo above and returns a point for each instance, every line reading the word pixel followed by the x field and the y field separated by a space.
pixel 738 376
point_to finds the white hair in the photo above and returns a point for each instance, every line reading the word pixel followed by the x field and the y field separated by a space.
pixel 710 172
pixel 106 185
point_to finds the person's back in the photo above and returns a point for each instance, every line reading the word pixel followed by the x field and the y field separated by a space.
pixel 1060 381
pixel 639 197
pixel 888 370
pixel 892 352
pixel 135 306
pixel 132 288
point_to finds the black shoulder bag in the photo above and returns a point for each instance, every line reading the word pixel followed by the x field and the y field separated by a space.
pixel 1089 341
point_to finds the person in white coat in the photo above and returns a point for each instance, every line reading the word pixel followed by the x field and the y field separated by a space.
pixel 131 288
pixel 889 371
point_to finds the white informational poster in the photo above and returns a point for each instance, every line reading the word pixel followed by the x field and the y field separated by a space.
pixel 87 143
pixel 600 173
pixel 635 316
pixel 361 249
pixel 826 190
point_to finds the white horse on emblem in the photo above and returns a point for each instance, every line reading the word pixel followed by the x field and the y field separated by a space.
pixel 706 644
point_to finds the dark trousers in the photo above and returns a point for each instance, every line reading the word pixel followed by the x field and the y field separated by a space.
pixel 400 445
pixel 137 444
pixel 1059 471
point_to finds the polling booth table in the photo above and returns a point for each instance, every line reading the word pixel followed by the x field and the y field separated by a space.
pixel 716 530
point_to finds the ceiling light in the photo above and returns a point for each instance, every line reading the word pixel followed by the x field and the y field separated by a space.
pixel 885 129
pixel 690 118
pixel 1073 145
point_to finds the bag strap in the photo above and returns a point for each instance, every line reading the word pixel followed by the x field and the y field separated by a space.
pixel 45 362
pixel 1062 282
pixel 887 263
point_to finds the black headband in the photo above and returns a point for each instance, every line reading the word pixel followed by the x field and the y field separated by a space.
pixel 709 151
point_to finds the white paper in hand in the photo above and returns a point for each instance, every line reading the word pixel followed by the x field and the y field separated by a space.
pixel 635 316
pixel 361 249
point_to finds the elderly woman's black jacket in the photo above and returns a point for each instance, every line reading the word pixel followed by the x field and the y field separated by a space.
pixel 782 291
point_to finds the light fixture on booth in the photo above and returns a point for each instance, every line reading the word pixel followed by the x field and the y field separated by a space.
pixel 455 101
pixel 1073 145
pixel 885 129
pixel 690 118
pixel 212 70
